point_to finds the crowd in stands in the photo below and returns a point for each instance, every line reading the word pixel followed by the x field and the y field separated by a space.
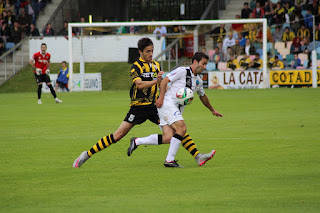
pixel 18 19
pixel 289 36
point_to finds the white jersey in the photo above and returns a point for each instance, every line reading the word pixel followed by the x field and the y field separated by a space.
pixel 170 112
pixel 177 78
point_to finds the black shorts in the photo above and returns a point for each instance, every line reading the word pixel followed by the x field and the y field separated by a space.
pixel 139 114
pixel 62 85
pixel 42 78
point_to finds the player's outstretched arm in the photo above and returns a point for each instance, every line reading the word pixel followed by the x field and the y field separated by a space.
pixel 204 99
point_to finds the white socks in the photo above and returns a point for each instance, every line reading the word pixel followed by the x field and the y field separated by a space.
pixel 149 140
pixel 174 147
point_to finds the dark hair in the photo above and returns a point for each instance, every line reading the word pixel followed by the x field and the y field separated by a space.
pixel 198 56
pixel 276 57
pixel 143 43
pixel 246 3
pixel 44 44
pixel 64 62
pixel 257 54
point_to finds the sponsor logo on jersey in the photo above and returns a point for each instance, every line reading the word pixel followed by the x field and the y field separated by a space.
pixel 147 74
pixel 177 113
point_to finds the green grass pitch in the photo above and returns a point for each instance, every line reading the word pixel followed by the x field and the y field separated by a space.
pixel 267 158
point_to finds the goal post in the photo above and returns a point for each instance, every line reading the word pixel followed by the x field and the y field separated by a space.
pixel 266 83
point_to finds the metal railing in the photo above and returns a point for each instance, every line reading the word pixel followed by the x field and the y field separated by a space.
pixel 13 61
pixel 173 44
pixel 64 12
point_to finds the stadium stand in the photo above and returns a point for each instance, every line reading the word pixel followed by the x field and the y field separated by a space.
pixel 284 14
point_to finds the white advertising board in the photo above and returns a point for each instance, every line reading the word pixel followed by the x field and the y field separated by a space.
pixel 235 80
pixel 92 82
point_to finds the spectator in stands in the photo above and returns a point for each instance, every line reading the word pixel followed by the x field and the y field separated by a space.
pixel 48 31
pixel 288 35
pixel 2 48
pixel 245 62
pixel 41 4
pixel 236 48
pixel 296 62
pixel 268 13
pixel 218 34
pixel 252 33
pixel 249 49
pixel 297 22
pixel 242 40
pixel 290 11
pixel 160 31
pixel 132 29
pixel 218 56
pixel 5 32
pixel 237 27
pixel 259 34
pixel 232 63
pixel 228 42
pixel 300 3
pixel 257 62
pixel 277 64
pixel 10 7
pixel 32 10
pixel 246 10
pixel 279 14
pixel 1 19
pixel 175 28
pixel 277 34
pixel 306 46
pixel 258 12
pixel 316 34
pixel 270 60
pixel 24 21
pixel 227 54
pixel 16 33
pixel 308 20
pixel 4 14
pixel 150 29
pixel 234 33
pixel 10 19
pixel 64 30
pixel 315 10
pixel 2 6
pixel 253 4
pixel 303 32
pixel 33 31
pixel 295 47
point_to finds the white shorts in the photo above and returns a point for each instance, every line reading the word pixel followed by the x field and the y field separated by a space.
pixel 169 114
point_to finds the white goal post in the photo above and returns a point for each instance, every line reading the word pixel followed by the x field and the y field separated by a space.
pixel 266 82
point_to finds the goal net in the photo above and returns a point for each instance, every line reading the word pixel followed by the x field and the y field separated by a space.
pixel 110 48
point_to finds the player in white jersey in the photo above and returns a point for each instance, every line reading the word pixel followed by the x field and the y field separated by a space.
pixel 170 113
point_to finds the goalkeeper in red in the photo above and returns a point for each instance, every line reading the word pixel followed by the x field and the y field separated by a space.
pixel 40 62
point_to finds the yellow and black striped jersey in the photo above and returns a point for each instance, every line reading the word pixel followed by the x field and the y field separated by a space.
pixel 146 72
